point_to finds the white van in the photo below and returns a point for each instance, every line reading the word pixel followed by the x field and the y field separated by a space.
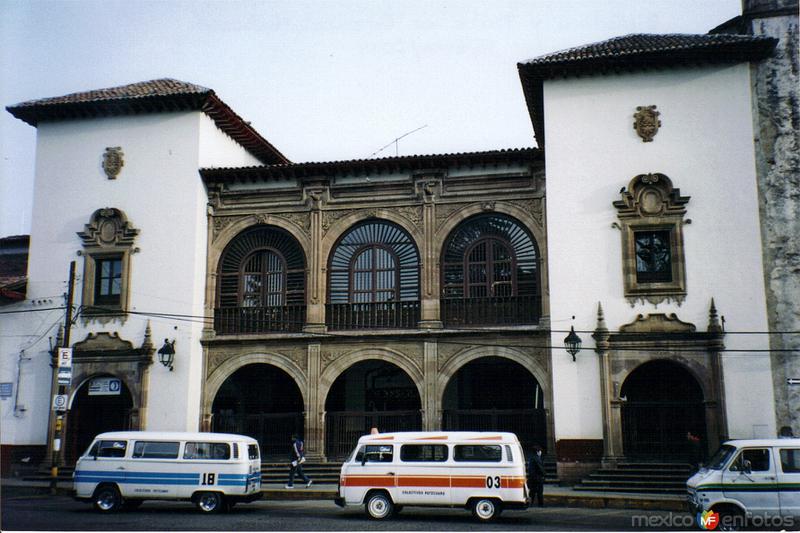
pixel 484 472
pixel 755 482
pixel 124 468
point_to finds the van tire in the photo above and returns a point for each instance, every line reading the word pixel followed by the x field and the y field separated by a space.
pixel 107 499
pixel 485 509
pixel 379 505
pixel 731 518
pixel 209 502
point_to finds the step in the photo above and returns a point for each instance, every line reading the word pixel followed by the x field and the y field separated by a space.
pixel 618 475
pixel 631 490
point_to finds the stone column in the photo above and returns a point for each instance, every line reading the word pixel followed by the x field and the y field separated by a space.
pixel 716 414
pixel 315 311
pixel 430 312
pixel 431 404
pixel 612 417
pixel 314 435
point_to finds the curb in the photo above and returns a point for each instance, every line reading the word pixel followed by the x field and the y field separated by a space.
pixel 552 500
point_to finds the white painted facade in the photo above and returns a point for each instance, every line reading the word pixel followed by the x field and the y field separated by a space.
pixel 705 146
pixel 160 191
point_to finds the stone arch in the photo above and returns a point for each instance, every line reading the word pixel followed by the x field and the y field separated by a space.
pixel 662 398
pixel 696 369
pixel 342 363
pixel 84 379
pixel 341 226
pixel 455 363
pixel 226 369
pixel 228 234
pixel 504 208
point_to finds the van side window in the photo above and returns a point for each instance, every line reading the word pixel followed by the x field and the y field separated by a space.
pixel 252 451
pixel 92 452
pixel 112 448
pixel 478 453
pixel 155 450
pixel 790 460
pixel 207 450
pixel 759 460
pixel 423 453
pixel 235 450
pixel 509 454
pixel 377 453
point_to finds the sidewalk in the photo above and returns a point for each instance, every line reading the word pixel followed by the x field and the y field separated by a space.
pixel 554 496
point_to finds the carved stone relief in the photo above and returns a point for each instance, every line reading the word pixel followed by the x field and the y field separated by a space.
pixel 533 206
pixel 113 161
pixel 445 211
pixel 646 122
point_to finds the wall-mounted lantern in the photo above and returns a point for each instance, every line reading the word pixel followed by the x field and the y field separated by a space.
pixel 166 355
pixel 572 343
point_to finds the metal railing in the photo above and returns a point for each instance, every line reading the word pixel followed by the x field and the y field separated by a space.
pixel 397 315
pixel 273 431
pixel 491 311
pixel 343 428
pixel 530 425
pixel 242 320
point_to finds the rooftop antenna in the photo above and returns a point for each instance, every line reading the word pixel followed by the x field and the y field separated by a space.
pixel 394 142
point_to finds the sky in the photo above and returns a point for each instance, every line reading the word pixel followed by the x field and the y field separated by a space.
pixel 321 80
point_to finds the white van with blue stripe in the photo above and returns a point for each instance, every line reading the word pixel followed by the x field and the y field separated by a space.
pixel 214 470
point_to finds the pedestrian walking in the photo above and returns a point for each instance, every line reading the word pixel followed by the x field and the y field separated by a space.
pixel 297 457
pixel 536 475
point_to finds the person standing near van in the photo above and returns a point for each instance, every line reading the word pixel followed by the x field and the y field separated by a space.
pixel 297 457
pixel 537 475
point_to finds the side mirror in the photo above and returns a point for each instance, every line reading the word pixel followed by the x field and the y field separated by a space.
pixel 747 466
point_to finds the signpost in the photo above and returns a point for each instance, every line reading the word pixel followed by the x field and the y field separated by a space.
pixel 793 381
pixel 105 387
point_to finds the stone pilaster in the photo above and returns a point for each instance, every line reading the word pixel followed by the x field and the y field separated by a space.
pixel 315 312
pixel 430 312
pixel 431 421
pixel 314 434
pixel 612 417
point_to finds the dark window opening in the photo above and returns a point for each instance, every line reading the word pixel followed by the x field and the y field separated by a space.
pixel 653 256
pixel 108 281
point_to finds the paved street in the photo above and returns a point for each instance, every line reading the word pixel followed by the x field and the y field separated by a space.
pixel 62 513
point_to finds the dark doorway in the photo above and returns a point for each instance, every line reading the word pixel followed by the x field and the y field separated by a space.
pixel 369 394
pixel 91 414
pixel 662 402
pixel 496 394
pixel 263 402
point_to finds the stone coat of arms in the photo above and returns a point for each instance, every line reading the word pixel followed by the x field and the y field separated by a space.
pixel 112 161
pixel 646 122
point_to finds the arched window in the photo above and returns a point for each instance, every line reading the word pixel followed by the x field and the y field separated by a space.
pixel 490 273
pixel 373 277
pixel 261 285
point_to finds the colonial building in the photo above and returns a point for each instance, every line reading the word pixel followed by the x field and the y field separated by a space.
pixel 420 292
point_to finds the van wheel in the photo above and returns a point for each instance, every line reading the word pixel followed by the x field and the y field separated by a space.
pixel 731 520
pixel 485 509
pixel 107 499
pixel 209 502
pixel 379 506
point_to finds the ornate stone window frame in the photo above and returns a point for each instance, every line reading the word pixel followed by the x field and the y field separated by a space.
pixel 107 235
pixel 651 203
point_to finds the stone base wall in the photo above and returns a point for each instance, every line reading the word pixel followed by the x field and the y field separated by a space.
pixel 777 122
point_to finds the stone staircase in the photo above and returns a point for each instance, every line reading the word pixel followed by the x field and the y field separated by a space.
pixel 644 478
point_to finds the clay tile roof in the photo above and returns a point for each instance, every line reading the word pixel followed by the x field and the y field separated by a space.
pixel 408 163
pixel 639 51
pixel 154 96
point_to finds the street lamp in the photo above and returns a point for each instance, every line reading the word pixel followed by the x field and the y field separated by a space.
pixel 166 355
pixel 572 343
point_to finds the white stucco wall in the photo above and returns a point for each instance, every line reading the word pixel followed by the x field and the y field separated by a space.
pixel 705 146
pixel 160 191
pixel 219 150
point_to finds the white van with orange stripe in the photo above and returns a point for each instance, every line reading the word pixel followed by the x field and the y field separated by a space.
pixel 484 472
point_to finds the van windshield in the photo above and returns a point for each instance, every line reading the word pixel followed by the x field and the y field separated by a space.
pixel 721 457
